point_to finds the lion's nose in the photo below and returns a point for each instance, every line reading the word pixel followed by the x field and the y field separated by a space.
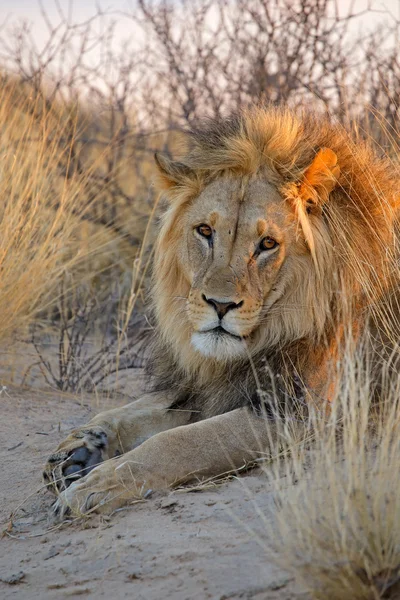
pixel 221 308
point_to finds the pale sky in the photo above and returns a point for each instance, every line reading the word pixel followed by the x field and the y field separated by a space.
pixel 11 10
pixel 82 9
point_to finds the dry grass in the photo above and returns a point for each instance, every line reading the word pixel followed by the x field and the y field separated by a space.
pixel 39 209
pixel 76 221
pixel 53 215
pixel 77 209
pixel 337 523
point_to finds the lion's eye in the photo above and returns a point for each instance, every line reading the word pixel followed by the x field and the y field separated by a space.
pixel 204 230
pixel 268 243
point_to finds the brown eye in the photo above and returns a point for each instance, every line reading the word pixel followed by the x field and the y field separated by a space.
pixel 268 243
pixel 204 230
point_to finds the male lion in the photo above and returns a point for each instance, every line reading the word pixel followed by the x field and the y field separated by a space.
pixel 277 239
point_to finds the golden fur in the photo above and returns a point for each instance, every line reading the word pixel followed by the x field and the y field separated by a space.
pixel 342 201
pixel 277 247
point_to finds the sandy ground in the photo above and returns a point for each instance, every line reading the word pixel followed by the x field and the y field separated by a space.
pixel 183 545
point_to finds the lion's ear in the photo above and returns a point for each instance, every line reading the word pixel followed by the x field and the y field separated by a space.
pixel 319 179
pixel 171 172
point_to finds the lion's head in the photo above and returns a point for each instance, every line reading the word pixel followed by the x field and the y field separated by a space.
pixel 277 225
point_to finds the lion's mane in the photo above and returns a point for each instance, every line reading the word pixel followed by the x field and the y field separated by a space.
pixel 351 242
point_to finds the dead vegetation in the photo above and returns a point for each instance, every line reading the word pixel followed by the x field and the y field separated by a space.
pixel 90 349
pixel 337 526
pixel 38 213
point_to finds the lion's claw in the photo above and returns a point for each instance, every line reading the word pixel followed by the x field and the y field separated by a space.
pixel 80 498
pixel 83 450
pixel 106 488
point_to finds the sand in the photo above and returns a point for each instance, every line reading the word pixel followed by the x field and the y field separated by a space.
pixel 179 545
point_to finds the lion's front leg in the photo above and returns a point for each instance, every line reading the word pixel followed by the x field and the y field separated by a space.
pixel 207 448
pixel 107 435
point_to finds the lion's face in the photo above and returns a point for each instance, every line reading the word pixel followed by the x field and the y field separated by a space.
pixel 241 259
pixel 237 237
pixel 273 239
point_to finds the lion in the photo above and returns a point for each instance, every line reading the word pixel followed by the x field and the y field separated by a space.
pixel 277 238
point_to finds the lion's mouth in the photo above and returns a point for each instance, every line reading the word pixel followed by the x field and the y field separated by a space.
pixel 219 343
pixel 220 331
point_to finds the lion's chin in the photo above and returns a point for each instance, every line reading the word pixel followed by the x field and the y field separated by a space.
pixel 220 346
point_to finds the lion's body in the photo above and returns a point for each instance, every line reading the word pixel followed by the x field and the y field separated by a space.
pixel 353 246
pixel 277 245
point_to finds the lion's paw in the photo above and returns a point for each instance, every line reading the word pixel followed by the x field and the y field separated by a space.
pixel 100 491
pixel 75 457
pixel 79 499
pixel 106 488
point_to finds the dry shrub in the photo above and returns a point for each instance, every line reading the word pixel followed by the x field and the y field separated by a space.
pixel 39 208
